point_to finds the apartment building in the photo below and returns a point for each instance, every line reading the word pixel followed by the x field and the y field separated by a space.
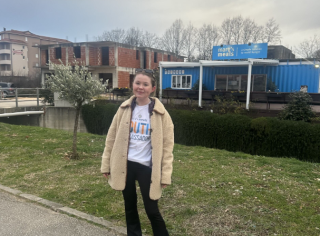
pixel 20 54
pixel 110 61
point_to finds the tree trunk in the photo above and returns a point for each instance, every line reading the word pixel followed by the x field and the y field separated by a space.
pixel 74 146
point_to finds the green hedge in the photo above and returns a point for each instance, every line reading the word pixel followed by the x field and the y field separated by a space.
pixel 98 118
pixel 261 136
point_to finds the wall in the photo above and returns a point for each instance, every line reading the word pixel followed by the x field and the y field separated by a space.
pixel 153 64
pixel 32 58
pixel 123 79
pixel 95 56
pixel 71 59
pixel 54 118
pixel 288 78
pixel 43 56
pixel 18 62
pixel 168 72
pixel 279 52
pixel 52 55
pixel 112 58
pixel 61 118
pixel 97 71
pixel 127 58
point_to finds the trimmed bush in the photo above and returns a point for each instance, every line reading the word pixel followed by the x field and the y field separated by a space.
pixel 232 132
pixel 261 136
pixel 98 118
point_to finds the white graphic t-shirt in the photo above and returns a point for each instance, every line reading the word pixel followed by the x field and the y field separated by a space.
pixel 140 138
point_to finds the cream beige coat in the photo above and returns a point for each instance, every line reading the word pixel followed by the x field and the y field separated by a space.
pixel 114 158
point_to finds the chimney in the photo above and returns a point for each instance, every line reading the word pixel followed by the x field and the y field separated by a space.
pixel 4 29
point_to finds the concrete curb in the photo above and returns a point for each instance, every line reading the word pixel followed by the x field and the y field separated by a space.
pixel 118 230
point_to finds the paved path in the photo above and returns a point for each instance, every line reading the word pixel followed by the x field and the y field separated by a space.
pixel 19 216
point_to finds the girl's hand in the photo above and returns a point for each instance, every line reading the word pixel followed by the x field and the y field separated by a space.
pixel 163 185
pixel 106 175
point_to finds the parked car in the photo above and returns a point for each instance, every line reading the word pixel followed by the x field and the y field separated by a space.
pixel 7 89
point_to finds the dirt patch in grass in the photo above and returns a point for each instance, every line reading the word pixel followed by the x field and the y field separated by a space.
pixel 220 222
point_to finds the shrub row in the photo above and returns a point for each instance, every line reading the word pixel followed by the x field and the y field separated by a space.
pixel 97 118
pixel 261 136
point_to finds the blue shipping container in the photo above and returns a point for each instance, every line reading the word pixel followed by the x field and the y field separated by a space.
pixel 287 77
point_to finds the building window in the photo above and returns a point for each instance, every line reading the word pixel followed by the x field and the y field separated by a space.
pixel 77 51
pixel 169 57
pixel 23 57
pixel 181 81
pixel 23 47
pixel 105 56
pixel 58 53
pixel 137 54
pixel 24 67
pixel 240 82
pixel 155 59
pixel 259 83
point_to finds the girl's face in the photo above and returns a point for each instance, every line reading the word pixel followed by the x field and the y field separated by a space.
pixel 142 86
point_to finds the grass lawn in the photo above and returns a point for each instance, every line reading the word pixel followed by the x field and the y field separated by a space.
pixel 214 192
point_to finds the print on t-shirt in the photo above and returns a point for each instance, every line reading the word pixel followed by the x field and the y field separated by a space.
pixel 140 130
pixel 140 136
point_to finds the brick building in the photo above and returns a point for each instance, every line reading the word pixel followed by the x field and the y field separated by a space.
pixel 18 54
pixel 106 60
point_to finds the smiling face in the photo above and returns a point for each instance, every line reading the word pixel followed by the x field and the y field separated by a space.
pixel 142 87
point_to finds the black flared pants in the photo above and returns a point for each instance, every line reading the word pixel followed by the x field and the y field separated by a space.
pixel 142 174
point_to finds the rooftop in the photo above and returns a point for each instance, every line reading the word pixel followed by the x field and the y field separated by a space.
pixel 29 34
pixel 12 41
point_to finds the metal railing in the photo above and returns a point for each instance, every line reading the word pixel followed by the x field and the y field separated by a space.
pixel 21 94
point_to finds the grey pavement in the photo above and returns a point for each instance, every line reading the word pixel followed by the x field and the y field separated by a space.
pixel 24 214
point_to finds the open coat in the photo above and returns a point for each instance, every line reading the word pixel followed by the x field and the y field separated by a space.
pixel 115 155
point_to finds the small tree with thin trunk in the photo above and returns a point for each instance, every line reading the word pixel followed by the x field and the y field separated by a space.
pixel 75 85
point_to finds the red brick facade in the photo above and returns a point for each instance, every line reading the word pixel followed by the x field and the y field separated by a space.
pixel 52 56
pixel 94 56
pixel 159 58
pixel 123 79
pixel 123 59
pixel 71 56
pixel 112 60
pixel 43 57
pixel 127 58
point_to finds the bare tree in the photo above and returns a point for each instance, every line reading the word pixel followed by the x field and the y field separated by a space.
pixel 207 37
pixel 237 29
pixel 272 32
pixel 226 31
pixel 133 37
pixel 149 40
pixel 189 46
pixel 172 39
pixel 257 33
pixel 116 35
pixel 248 30
pixel 309 47
pixel 316 54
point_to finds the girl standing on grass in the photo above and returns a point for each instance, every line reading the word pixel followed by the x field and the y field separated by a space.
pixel 139 146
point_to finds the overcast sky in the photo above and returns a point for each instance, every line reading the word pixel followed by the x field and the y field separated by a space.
pixel 298 19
